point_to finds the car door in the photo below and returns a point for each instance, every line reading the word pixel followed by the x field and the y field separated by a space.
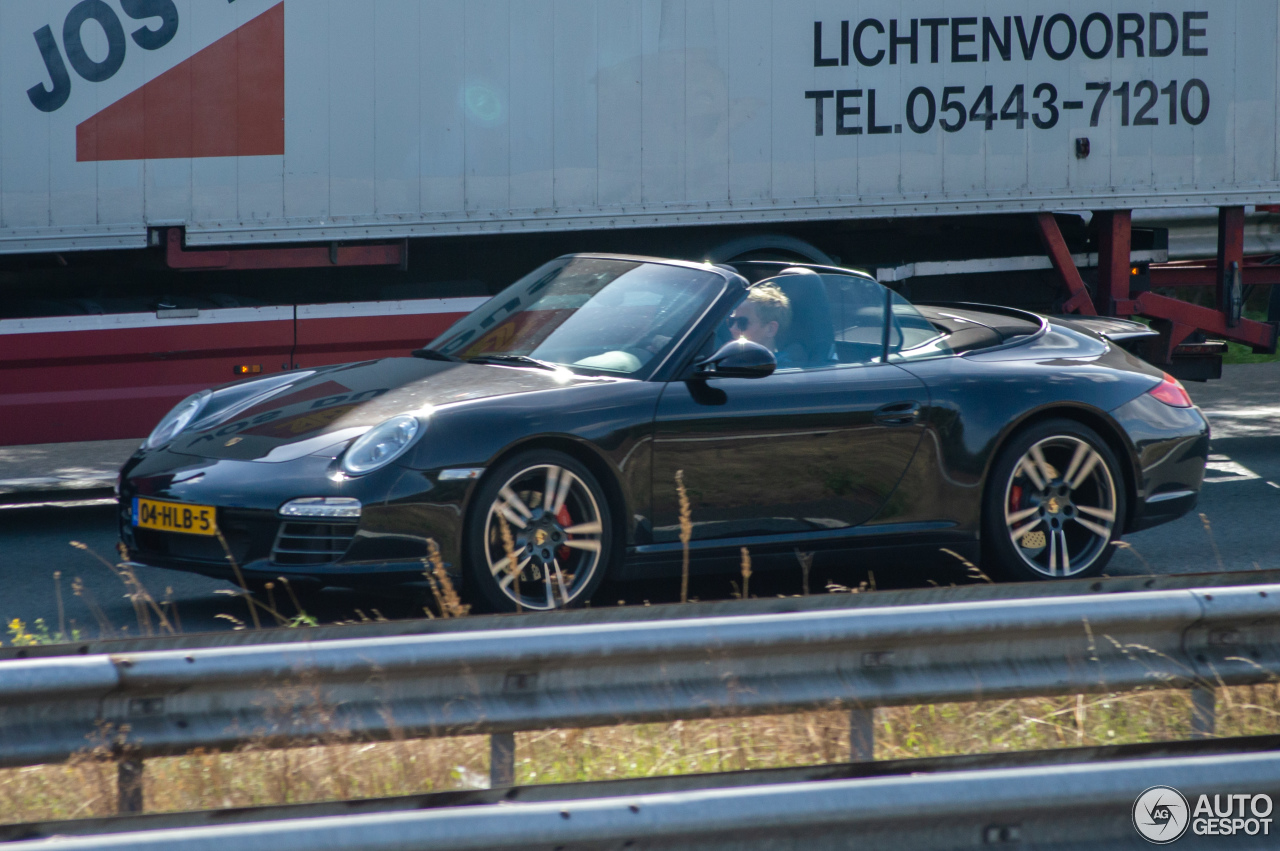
pixel 805 454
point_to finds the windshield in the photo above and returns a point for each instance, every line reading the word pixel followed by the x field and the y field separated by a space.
pixel 586 313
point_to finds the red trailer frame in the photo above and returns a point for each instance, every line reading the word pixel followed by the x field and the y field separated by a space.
pixel 1175 320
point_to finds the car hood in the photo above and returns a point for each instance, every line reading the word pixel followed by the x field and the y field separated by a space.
pixel 326 408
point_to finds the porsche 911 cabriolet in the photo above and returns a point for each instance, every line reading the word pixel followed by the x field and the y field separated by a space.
pixel 548 440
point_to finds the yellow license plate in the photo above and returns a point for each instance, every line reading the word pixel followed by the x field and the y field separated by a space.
pixel 174 517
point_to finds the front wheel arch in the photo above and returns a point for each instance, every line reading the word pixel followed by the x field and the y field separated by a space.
pixel 541 538
pixel 599 466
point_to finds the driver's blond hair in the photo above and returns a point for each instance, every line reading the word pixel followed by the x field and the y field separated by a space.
pixel 772 305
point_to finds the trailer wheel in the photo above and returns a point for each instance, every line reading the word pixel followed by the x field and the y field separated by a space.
pixel 770 247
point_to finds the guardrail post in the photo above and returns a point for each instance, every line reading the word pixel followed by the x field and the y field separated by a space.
pixel 502 760
pixel 129 771
pixel 1204 714
pixel 862 735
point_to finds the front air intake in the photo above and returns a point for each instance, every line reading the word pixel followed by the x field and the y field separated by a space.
pixel 312 543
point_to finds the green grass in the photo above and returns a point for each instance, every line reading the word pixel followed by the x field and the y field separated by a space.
pixel 337 766
pixel 1240 353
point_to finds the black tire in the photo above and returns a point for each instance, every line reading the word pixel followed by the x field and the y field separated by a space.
pixel 1054 505
pixel 562 555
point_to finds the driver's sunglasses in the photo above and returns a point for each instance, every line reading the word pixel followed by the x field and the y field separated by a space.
pixel 739 323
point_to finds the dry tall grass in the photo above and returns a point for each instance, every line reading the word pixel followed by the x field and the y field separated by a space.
pixel 336 767
pixel 686 535
pixel 341 769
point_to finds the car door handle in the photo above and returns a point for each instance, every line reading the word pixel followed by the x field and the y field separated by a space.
pixel 898 414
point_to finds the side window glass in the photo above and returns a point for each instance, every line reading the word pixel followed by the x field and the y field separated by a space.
pixel 812 321
pixel 911 336
pixel 714 341
pixel 790 315
pixel 857 318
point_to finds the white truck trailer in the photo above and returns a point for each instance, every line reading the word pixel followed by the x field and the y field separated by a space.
pixel 153 151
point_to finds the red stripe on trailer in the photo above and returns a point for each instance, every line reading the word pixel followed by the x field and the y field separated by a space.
pixel 225 101
pixel 107 384
pixel 114 376
pixel 339 339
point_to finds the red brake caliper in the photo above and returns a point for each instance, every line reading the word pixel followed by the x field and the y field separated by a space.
pixel 1015 497
pixel 565 521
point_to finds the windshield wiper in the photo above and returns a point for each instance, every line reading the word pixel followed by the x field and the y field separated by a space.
pixel 432 354
pixel 519 360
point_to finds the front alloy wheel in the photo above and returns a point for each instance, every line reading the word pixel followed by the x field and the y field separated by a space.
pixel 543 540
pixel 1061 506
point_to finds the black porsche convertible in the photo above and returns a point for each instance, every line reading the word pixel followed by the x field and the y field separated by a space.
pixel 586 419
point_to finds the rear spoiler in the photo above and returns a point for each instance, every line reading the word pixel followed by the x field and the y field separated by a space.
pixel 1118 331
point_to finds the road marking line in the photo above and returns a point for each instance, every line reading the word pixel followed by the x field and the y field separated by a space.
pixel 62 503
pixel 1244 413
pixel 1230 470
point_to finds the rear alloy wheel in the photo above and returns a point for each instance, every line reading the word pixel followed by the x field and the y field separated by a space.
pixel 1055 505
pixel 539 534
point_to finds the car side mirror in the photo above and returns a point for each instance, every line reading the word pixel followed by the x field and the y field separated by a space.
pixel 738 359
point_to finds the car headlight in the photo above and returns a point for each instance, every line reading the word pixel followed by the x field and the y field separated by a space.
pixel 178 419
pixel 380 445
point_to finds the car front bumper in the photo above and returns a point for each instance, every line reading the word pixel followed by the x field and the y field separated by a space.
pixel 402 512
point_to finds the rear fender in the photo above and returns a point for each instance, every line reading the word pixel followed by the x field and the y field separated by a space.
pixel 1101 422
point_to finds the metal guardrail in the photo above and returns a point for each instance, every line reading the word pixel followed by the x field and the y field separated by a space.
pixel 634 786
pixel 501 681
pixel 1080 806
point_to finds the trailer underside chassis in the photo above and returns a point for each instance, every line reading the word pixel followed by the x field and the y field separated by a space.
pixel 177 256
pixel 1124 290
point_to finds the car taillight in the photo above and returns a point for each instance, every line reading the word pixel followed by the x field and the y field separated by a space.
pixel 1171 392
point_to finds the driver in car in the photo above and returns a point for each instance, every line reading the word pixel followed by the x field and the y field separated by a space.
pixel 763 317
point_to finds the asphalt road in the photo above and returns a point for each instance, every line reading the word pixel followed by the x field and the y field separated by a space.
pixel 41 565
pixel 1237 525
